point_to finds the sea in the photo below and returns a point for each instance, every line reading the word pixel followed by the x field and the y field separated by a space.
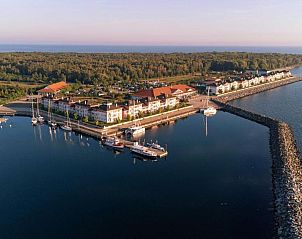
pixel 144 49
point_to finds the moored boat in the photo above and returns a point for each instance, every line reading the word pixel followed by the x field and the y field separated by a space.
pixel 209 111
pixel 156 146
pixel 143 151
pixel 67 126
pixel 40 119
pixel 113 142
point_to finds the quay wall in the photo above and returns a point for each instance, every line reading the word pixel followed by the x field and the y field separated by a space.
pixel 286 172
pixel 256 89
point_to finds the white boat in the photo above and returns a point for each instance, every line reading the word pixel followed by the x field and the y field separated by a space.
pixel 209 110
pixel 143 151
pixel 135 130
pixel 50 121
pixel 156 146
pixel 52 124
pixel 40 118
pixel 66 126
pixel 34 120
pixel 113 142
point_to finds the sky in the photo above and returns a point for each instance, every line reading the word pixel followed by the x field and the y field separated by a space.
pixel 152 22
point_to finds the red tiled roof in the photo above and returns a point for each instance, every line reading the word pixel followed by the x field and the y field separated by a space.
pixel 53 88
pixel 167 90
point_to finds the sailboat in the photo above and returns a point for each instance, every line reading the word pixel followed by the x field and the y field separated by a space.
pixel 209 110
pixel 34 120
pixel 39 117
pixel 51 122
pixel 67 125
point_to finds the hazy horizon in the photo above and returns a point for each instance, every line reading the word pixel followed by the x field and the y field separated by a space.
pixel 157 23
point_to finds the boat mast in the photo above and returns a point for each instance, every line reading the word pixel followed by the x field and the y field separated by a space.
pixel 49 112
pixel 38 112
pixel 67 117
pixel 208 97
pixel 32 106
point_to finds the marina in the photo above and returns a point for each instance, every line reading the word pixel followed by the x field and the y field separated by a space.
pixel 108 181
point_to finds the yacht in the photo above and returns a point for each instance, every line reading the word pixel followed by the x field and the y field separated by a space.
pixel 143 151
pixel 40 118
pixel 113 142
pixel 34 120
pixel 156 146
pixel 66 126
pixel 50 121
pixel 135 130
pixel 209 110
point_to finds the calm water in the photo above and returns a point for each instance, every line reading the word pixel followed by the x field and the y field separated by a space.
pixel 283 103
pixel 68 186
pixel 144 49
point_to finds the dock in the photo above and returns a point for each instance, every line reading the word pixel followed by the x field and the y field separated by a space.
pixel 159 153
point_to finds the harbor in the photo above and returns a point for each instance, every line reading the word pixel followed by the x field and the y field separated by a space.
pixel 288 225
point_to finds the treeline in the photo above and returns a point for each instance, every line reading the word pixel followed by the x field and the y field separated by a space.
pixel 8 93
pixel 106 69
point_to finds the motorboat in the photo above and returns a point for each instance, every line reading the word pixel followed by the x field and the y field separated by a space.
pixel 143 151
pixel 156 146
pixel 113 142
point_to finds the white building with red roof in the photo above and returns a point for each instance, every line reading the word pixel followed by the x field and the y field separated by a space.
pixel 180 91
pixel 53 88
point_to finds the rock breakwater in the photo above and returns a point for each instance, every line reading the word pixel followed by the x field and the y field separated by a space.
pixel 286 172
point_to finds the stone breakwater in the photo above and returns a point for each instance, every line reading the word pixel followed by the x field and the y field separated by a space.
pixel 286 172
pixel 256 89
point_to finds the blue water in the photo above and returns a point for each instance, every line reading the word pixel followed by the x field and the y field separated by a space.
pixel 283 103
pixel 144 49
pixel 58 185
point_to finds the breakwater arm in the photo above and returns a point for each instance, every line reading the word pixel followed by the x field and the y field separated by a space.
pixel 286 172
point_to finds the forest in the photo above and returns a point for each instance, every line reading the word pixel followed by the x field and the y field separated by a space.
pixel 107 69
